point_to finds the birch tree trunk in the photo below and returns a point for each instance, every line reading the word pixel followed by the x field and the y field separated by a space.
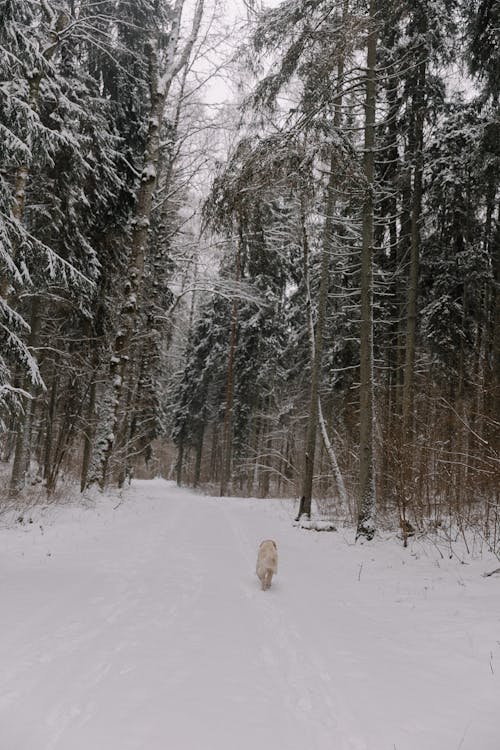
pixel 180 463
pixel 367 495
pixel 160 84
pixel 494 421
pixel 406 468
pixel 88 433
pixel 199 453
pixel 50 425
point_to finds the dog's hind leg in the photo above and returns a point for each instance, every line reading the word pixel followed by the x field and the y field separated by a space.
pixel 268 577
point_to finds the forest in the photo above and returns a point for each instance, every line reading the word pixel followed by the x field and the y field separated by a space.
pixel 255 250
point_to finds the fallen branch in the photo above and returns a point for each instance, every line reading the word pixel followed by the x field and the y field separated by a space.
pixel 492 573
pixel 312 524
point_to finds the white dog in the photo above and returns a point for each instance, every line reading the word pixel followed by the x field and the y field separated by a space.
pixel 267 562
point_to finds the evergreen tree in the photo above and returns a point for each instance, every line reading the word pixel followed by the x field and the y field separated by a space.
pixel 165 60
pixel 61 165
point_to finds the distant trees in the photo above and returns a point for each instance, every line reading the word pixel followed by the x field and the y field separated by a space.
pixel 316 78
pixel 381 271
pixel 251 340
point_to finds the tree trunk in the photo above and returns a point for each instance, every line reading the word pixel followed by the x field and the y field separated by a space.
pixel 367 495
pixel 317 332
pixel 255 440
pixel 199 453
pixel 88 432
pixel 228 426
pixel 22 447
pixel 180 462
pixel 416 209
pixel 267 446
pixel 494 421
pixel 407 464
pixel 316 337
pixel 50 420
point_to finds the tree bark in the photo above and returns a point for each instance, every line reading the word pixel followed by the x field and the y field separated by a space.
pixel 367 494
pixel 199 453
pixel 22 447
pixel 228 427
pixel 180 462
pixel 416 209
pixel 407 465
pixel 317 332
pixel 88 432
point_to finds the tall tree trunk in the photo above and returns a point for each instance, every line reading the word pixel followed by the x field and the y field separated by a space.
pixel 22 448
pixel 316 333
pixel 50 421
pixel 127 423
pixel 367 494
pixel 416 209
pixel 494 421
pixel 407 464
pixel 199 452
pixel 255 441
pixel 228 421
pixel 267 446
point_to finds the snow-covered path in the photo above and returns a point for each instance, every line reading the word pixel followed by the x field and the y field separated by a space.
pixel 144 628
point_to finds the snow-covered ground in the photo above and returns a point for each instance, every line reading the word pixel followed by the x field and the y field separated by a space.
pixel 142 627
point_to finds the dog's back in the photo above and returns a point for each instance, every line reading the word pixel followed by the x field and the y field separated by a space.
pixel 267 562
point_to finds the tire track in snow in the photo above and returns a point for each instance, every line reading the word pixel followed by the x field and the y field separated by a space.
pixel 289 656
pixel 93 635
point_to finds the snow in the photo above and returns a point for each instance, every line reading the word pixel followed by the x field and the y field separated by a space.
pixel 139 624
pixel 149 172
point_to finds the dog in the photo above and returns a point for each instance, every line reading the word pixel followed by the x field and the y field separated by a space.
pixel 267 563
